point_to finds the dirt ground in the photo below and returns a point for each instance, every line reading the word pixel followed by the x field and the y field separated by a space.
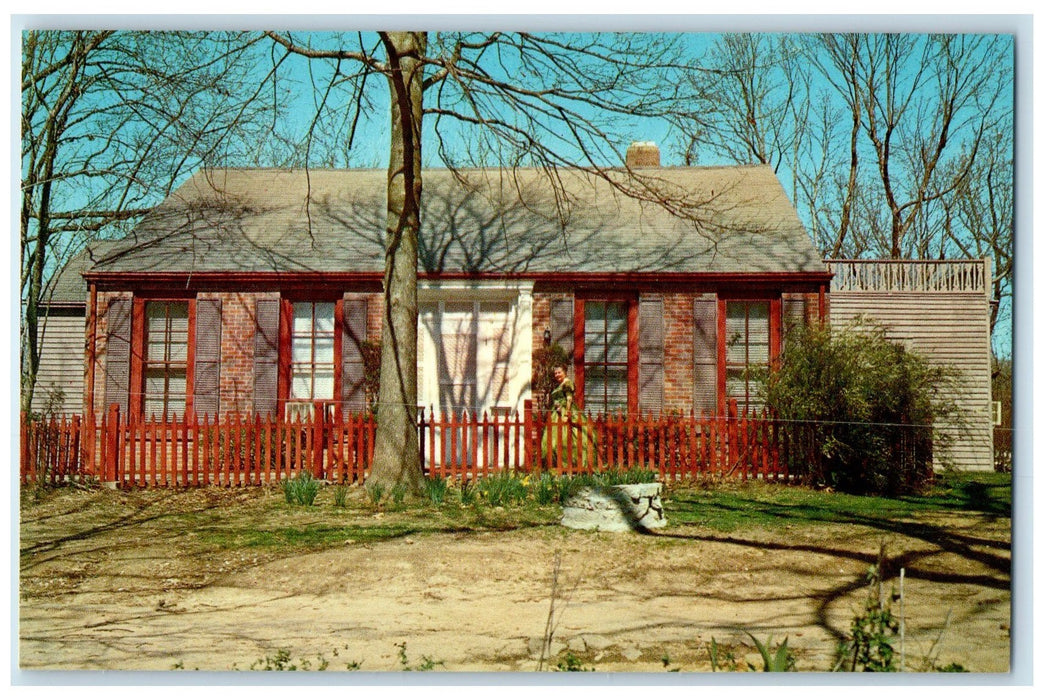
pixel 117 587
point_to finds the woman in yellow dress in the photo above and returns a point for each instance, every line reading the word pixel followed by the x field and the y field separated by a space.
pixel 567 426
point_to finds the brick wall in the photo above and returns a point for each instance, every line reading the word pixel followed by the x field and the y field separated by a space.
pixel 677 352
pixel 237 349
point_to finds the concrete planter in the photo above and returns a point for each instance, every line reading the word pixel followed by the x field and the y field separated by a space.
pixel 622 508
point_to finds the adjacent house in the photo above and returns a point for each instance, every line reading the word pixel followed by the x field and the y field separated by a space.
pixel 252 291
pixel 941 310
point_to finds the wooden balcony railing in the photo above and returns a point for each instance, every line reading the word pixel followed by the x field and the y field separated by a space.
pixel 926 276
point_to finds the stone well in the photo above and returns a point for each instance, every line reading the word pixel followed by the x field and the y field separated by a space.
pixel 622 508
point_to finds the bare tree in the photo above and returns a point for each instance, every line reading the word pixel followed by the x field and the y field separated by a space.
pixel 515 99
pixel 111 122
pixel 752 101
pixel 924 103
pixel 980 220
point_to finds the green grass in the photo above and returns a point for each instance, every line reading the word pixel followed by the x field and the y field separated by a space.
pixel 262 519
pixel 732 507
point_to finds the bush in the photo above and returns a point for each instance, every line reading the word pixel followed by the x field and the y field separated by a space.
pixel 858 409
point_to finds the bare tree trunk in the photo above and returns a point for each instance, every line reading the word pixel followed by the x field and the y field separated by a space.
pixel 396 457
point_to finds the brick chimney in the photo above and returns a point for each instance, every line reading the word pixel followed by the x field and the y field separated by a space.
pixel 643 154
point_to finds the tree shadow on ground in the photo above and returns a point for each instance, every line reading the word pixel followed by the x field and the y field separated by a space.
pixel 940 539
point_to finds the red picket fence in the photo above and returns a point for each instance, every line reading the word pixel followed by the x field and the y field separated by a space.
pixel 239 451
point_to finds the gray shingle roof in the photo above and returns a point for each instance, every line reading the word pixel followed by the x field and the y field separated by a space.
pixel 717 219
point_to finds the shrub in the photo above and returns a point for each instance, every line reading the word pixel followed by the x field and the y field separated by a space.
pixel 858 409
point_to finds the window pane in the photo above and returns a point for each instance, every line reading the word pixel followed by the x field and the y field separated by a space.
pixel 616 314
pixel 178 317
pixel 324 317
pixel 176 385
pixel 301 386
pixel 594 348
pixel 301 350
pixel 324 349
pixel 758 354
pixel 155 382
pixel 155 349
pixel 302 318
pixel 735 386
pixel 178 350
pixel 324 383
pixel 617 352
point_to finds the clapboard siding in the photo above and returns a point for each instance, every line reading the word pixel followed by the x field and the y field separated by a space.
pixel 61 362
pixel 947 329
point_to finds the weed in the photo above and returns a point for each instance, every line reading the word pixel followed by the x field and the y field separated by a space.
pixel 502 489
pixel 571 663
pixel 719 657
pixel 778 662
pixel 873 630
pixel 340 495
pixel 545 489
pixel 398 494
pixel 301 490
pixel 376 492
pixel 468 493
pixel 426 664
pixel 435 487
pixel 282 662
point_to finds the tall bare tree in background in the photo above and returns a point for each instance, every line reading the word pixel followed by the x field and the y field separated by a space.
pixel 111 122
pixel 514 99
pixel 888 143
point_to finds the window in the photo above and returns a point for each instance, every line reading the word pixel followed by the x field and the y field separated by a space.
pixel 463 353
pixel 312 351
pixel 747 346
pixel 165 363
pixel 605 379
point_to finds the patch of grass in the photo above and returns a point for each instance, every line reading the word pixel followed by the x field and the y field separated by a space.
pixel 572 663
pixel 376 493
pixel 729 507
pixel 502 489
pixel 435 487
pixel 340 495
pixel 301 490
pixel 307 537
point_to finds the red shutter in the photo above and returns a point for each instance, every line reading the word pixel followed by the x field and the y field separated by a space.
pixel 650 354
pixel 353 367
pixel 705 353
pixel 118 353
pixel 266 357
pixel 207 360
